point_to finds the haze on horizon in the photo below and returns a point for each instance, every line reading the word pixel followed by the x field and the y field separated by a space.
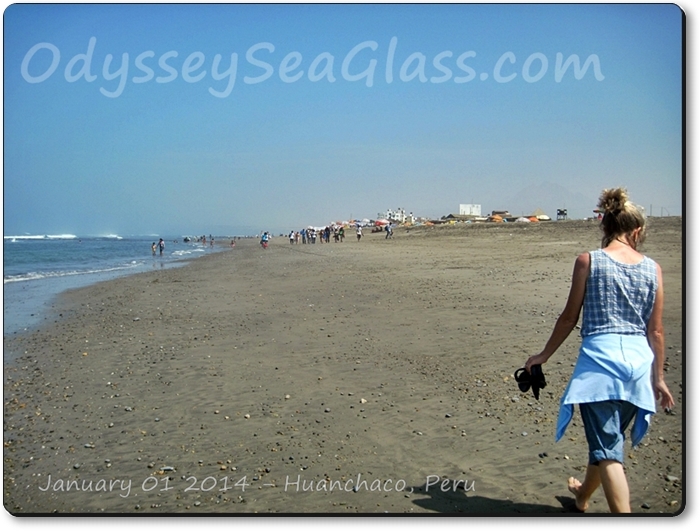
pixel 139 119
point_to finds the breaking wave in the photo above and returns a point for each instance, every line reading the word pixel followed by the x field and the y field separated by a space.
pixel 41 237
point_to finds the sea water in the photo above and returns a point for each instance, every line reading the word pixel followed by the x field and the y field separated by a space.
pixel 37 268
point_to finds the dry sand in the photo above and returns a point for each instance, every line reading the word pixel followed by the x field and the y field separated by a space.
pixel 339 378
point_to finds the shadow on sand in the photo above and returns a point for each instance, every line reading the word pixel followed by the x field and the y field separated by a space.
pixel 459 501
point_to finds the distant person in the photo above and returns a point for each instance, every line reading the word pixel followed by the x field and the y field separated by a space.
pixel 359 233
pixel 161 246
pixel 291 237
pixel 389 231
pixel 153 248
pixel 619 373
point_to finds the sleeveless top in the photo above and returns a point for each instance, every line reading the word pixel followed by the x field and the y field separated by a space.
pixel 619 297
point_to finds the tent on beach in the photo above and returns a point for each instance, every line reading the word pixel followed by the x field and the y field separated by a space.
pixel 540 215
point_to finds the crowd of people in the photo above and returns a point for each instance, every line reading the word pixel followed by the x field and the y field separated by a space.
pixel 311 235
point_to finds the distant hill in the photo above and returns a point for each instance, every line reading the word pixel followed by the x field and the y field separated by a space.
pixel 549 197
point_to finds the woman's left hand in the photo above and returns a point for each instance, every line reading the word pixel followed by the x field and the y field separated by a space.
pixel 662 393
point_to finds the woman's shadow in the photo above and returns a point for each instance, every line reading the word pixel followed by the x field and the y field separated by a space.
pixel 458 497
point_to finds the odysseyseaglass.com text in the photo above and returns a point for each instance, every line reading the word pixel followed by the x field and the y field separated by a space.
pixel 361 64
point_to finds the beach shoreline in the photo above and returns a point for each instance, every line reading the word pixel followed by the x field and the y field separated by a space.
pixel 31 287
pixel 355 377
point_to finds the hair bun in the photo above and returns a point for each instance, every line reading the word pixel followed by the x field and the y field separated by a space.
pixel 613 200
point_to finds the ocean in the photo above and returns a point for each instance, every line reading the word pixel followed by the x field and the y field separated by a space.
pixel 37 268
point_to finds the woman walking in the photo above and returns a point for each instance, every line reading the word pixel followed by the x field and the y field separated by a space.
pixel 619 371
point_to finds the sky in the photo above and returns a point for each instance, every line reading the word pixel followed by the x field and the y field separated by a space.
pixel 231 119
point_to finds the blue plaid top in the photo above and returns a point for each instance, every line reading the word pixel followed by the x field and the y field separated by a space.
pixel 619 297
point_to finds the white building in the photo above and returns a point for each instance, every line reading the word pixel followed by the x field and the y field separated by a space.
pixel 397 216
pixel 470 210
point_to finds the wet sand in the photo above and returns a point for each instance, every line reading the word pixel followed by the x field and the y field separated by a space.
pixel 348 377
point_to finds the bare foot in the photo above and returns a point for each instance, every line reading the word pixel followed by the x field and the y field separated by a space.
pixel 574 488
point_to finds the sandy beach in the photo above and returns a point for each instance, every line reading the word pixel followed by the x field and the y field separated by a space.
pixel 355 377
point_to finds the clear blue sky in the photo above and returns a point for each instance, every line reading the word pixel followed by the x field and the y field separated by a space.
pixel 167 139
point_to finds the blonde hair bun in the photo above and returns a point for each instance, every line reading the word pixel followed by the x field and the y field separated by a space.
pixel 613 200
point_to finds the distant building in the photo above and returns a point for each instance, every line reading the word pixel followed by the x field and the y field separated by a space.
pixel 398 216
pixel 470 210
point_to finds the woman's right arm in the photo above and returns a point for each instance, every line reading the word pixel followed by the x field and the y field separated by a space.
pixel 655 336
pixel 569 317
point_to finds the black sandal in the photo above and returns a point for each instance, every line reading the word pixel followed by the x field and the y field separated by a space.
pixel 535 379
pixel 523 378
